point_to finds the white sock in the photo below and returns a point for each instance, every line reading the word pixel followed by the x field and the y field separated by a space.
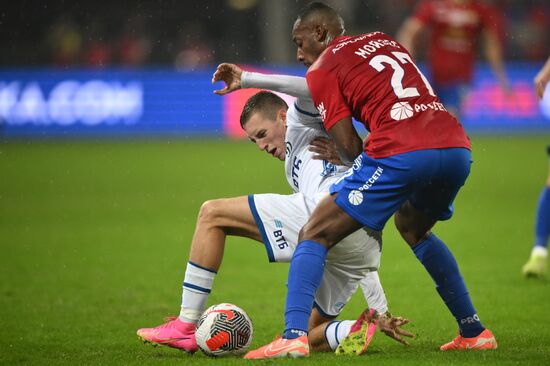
pixel 337 331
pixel 539 251
pixel 196 288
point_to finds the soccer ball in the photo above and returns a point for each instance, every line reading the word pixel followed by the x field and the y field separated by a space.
pixel 224 329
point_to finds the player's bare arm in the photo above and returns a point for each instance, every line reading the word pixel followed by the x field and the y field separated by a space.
pixel 409 33
pixel 493 52
pixel 542 78
pixel 388 324
pixel 348 142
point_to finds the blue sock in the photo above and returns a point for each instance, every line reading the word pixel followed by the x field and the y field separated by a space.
pixel 304 277
pixel 542 227
pixel 442 267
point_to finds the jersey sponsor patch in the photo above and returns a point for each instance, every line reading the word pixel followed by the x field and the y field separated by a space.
pixel 401 110
pixel 280 239
pixel 322 110
pixel 355 197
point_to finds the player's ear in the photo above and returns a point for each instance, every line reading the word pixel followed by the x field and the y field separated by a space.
pixel 282 115
pixel 320 33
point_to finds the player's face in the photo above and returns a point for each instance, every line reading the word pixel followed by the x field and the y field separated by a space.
pixel 267 134
pixel 306 40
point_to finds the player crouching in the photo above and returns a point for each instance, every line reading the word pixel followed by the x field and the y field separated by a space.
pixel 272 125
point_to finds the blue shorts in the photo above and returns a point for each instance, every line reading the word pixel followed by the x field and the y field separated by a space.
pixel 374 189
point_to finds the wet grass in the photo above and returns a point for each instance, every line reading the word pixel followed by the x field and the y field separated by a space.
pixel 94 239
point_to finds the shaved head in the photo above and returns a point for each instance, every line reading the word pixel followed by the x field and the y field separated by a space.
pixel 320 14
pixel 315 28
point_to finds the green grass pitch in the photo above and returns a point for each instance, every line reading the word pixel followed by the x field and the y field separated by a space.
pixel 94 237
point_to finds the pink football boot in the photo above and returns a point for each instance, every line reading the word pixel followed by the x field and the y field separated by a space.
pixel 174 333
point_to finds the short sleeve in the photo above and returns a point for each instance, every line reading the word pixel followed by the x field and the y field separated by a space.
pixel 327 97
pixel 424 12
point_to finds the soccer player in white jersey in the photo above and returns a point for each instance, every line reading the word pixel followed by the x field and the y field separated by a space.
pixel 275 220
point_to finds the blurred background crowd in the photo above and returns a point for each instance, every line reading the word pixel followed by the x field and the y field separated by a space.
pixel 191 35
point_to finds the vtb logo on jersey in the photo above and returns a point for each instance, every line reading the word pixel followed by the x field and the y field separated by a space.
pixel 322 110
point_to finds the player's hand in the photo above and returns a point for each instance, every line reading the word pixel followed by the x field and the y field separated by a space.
pixel 230 74
pixel 324 149
pixel 391 326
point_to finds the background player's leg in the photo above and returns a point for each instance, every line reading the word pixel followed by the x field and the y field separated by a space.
pixel 216 220
pixel 536 266
pixel 440 263
pixel 328 225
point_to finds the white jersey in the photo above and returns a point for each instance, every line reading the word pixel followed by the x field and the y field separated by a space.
pixel 355 260
pixel 310 177
pixel 304 174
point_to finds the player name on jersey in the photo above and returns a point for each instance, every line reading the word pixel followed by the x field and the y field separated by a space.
pixel 374 79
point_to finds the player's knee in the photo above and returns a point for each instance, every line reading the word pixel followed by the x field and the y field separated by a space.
pixel 405 225
pixel 209 212
pixel 400 222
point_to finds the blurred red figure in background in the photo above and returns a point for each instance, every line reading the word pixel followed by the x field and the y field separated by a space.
pixel 456 26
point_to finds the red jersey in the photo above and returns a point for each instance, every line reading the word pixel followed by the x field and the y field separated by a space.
pixel 372 78
pixel 455 30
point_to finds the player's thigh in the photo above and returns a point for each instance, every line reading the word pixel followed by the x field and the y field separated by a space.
pixel 279 219
pixel 233 215
pixel 328 223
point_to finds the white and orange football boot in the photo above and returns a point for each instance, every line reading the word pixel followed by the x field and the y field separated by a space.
pixel 360 334
pixel 174 333
pixel 486 340
pixel 280 348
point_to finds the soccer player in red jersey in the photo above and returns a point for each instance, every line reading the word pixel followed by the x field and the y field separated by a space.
pixel 455 26
pixel 413 164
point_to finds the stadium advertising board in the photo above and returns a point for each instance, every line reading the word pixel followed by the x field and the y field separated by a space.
pixel 52 102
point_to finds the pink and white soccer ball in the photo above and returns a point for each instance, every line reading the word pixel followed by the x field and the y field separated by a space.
pixel 224 329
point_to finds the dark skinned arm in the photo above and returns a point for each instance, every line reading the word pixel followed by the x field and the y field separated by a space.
pixel 347 140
